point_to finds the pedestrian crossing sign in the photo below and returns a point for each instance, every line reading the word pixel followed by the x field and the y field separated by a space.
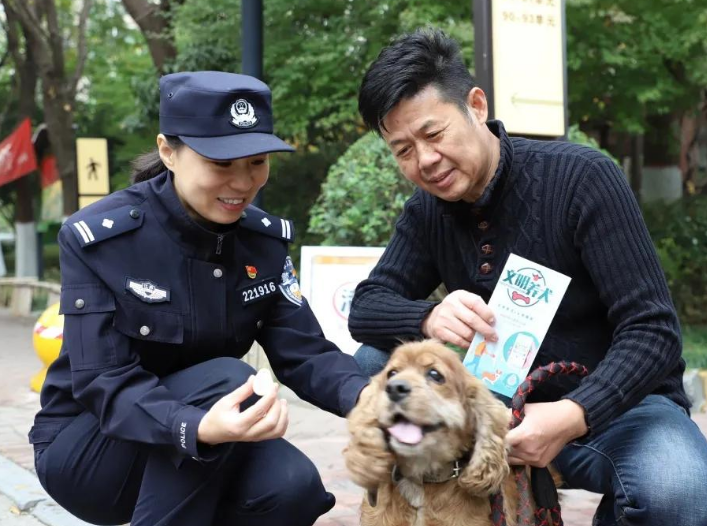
pixel 92 167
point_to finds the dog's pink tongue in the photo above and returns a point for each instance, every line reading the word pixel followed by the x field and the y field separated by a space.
pixel 406 432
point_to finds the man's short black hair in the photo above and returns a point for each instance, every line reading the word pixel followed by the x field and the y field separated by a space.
pixel 408 65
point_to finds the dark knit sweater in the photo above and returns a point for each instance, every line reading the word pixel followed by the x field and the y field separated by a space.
pixel 567 207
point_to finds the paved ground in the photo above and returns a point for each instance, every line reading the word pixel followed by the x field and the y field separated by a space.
pixel 11 515
pixel 318 434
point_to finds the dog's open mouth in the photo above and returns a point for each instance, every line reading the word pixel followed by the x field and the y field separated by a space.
pixel 409 433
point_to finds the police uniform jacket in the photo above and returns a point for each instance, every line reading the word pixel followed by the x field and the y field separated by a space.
pixel 147 291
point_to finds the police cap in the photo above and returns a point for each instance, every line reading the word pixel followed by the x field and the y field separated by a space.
pixel 219 115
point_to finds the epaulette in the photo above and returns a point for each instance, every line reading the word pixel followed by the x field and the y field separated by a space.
pixel 255 219
pixel 104 225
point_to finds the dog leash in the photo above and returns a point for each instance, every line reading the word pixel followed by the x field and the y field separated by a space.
pixel 547 512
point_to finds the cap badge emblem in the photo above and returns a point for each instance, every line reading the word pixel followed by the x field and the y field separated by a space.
pixel 243 114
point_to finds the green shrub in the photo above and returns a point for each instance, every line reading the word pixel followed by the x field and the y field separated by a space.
pixel 679 231
pixel 362 196
pixel 577 136
pixel 293 187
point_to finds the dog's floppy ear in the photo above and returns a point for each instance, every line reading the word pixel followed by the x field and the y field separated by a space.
pixel 488 421
pixel 368 459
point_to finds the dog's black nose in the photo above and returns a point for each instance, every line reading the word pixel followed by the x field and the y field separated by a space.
pixel 397 390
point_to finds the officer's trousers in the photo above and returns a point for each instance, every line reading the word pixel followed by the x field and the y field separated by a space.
pixel 107 481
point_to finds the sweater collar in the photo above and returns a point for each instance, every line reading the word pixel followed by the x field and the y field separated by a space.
pixel 198 239
pixel 494 189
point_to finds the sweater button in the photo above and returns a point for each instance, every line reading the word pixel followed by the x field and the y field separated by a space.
pixel 487 249
pixel 486 268
pixel 483 225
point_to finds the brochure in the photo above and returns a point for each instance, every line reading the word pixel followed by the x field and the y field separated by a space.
pixel 524 303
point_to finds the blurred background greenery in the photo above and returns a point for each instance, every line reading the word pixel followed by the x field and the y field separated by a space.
pixel 637 86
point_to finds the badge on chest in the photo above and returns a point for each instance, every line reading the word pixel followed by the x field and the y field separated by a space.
pixel 258 291
pixel 146 290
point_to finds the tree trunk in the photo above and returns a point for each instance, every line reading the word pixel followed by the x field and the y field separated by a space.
pixel 40 21
pixel 690 125
pixel 26 250
pixel 155 24
pixel 58 115
pixel 689 129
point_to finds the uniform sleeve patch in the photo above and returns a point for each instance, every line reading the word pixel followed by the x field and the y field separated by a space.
pixel 290 286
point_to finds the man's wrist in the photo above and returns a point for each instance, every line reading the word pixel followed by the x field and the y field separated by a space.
pixel 423 326
pixel 579 426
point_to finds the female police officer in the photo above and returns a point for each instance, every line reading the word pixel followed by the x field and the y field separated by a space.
pixel 148 415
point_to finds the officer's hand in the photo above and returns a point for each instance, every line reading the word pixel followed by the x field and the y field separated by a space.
pixel 458 318
pixel 545 430
pixel 225 422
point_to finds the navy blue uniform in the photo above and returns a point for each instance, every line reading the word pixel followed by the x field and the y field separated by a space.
pixel 158 311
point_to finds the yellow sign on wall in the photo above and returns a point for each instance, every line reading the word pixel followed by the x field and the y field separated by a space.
pixel 92 167
pixel 529 66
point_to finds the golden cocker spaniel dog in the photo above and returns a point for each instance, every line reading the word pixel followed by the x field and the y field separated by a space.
pixel 427 443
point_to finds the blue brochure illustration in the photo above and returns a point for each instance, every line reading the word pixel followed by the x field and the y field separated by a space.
pixel 524 303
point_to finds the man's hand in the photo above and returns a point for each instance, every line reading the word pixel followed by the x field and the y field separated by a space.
pixel 225 422
pixel 545 430
pixel 458 318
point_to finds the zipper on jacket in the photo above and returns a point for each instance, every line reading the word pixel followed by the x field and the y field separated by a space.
pixel 219 243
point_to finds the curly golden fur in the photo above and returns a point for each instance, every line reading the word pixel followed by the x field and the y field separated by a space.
pixel 421 413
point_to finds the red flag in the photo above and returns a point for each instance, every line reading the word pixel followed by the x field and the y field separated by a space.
pixel 50 174
pixel 17 154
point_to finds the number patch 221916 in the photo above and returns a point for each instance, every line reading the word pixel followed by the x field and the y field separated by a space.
pixel 258 291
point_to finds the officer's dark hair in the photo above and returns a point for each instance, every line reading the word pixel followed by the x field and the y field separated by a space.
pixel 413 61
pixel 149 165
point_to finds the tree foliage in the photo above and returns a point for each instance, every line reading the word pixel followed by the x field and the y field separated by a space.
pixel 362 196
pixel 317 52
pixel 629 59
pixel 107 102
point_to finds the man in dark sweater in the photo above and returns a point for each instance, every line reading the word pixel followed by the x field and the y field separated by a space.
pixel 623 431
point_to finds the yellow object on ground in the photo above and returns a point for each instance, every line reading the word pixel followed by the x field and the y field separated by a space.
pixel 47 338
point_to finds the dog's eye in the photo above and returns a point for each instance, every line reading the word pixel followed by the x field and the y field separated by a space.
pixel 435 376
pixel 392 373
